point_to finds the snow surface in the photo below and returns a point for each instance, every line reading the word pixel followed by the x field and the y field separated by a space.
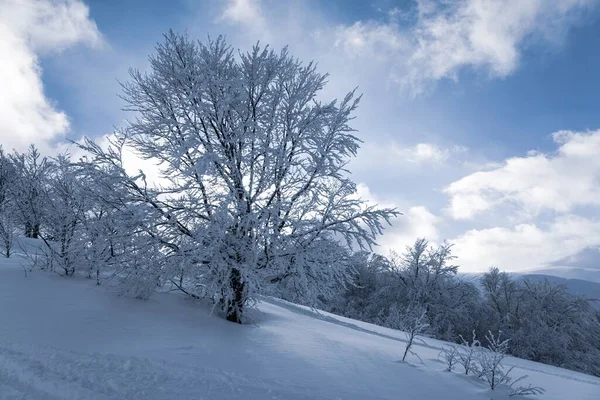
pixel 63 338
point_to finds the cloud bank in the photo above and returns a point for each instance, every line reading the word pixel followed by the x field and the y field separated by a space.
pixel 29 30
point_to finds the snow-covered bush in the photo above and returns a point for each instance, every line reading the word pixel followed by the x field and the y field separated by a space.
pixel 468 354
pixel 524 390
pixel 451 356
pixel 412 320
pixel 489 361
pixel 490 367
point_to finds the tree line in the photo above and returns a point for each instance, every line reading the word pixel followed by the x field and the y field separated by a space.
pixel 542 321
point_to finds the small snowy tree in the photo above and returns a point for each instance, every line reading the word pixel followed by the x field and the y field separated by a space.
pixel 468 355
pixel 415 323
pixel 412 320
pixel 254 186
pixel 492 370
pixel 490 359
pixel 100 252
pixel 502 295
pixel 451 356
pixel 426 276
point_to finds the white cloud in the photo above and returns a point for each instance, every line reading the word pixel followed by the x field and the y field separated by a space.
pixel 446 37
pixel 556 196
pixel 525 246
pixel 248 13
pixel 483 34
pixel 29 29
pixel 368 39
pixel 557 182
pixel 416 222
pixel 430 153
pixel 436 41
pixel 396 155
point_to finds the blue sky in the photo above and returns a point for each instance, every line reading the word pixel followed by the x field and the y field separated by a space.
pixel 461 105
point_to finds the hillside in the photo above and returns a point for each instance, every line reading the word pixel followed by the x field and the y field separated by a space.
pixel 68 339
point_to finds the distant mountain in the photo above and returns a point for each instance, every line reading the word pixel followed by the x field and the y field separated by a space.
pixel 584 265
pixel 588 259
pixel 585 274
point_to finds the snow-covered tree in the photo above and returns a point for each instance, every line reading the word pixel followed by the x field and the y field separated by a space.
pixel 490 367
pixel 63 216
pixel 100 253
pixel 362 297
pixel 469 352
pixel 7 220
pixel 7 230
pixel 29 188
pixel 254 186
pixel 556 327
pixel 414 323
pixel 502 295
pixel 412 320
pixel 489 360
pixel 423 276
pixel 426 277
pixel 451 356
pixel 544 322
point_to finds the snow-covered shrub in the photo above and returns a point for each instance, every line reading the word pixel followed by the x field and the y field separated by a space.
pixel 451 356
pixel 489 361
pixel 524 390
pixel 468 354
pixel 412 320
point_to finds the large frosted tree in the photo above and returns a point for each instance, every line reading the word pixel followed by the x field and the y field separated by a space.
pixel 254 189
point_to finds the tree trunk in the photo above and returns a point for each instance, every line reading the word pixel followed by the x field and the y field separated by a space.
pixel 235 305
pixel 35 233
pixel 28 230
pixel 32 230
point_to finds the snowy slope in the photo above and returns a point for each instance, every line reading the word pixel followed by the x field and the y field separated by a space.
pixel 67 339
